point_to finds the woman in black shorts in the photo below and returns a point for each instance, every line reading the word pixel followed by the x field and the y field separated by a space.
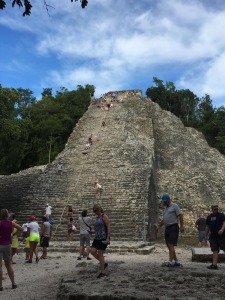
pixel 102 238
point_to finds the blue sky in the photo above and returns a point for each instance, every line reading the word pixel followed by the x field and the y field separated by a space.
pixel 115 45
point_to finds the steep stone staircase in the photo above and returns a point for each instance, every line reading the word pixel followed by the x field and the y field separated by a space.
pixel 141 153
pixel 120 158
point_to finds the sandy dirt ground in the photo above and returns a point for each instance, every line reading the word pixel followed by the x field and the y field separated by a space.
pixel 130 276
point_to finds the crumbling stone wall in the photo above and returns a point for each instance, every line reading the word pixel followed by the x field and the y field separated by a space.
pixel 186 167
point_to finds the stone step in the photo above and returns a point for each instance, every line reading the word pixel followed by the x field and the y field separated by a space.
pixel 205 255
pixel 142 248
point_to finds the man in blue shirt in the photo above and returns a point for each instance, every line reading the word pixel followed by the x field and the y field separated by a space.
pixel 215 224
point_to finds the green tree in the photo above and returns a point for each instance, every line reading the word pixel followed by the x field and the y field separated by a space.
pixel 8 99
pixel 188 102
pixel 13 140
pixel 182 103
pixel 192 110
pixel 24 103
pixel 48 120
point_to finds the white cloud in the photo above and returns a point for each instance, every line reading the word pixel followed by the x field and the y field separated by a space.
pixel 110 42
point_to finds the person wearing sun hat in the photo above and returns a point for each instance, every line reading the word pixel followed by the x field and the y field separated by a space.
pixel 172 215
pixel 215 225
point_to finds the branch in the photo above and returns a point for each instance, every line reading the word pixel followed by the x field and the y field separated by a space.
pixel 47 6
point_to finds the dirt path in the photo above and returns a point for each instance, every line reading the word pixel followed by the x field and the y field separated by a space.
pixel 130 275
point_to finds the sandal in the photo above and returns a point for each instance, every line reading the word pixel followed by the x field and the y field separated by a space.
pixel 212 267
pixel 101 275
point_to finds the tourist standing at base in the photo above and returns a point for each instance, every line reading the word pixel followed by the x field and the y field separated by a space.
pixel 46 233
pixel 6 229
pixel 200 224
pixel 71 228
pixel 24 226
pixel 85 229
pixel 33 233
pixel 215 227
pixel 102 238
pixel 172 215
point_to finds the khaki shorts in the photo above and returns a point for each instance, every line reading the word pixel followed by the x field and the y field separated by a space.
pixel 85 240
pixel 5 252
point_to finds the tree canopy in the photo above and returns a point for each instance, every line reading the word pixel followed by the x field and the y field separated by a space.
pixel 26 4
pixel 33 132
pixel 193 111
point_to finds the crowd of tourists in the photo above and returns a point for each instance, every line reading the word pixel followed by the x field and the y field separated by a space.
pixel 32 235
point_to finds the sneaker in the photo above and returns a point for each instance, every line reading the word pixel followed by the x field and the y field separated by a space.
pixel 79 258
pixel 14 286
pixel 177 264
pixel 88 258
pixel 168 264
pixel 212 267
pixel 1 289
pixel 101 275
pixel 28 262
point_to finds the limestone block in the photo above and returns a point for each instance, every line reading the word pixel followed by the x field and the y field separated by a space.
pixel 205 255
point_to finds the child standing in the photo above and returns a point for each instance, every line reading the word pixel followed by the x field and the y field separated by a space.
pixel 71 228
pixel 27 247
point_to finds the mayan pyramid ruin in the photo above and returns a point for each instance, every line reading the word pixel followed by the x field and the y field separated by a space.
pixel 140 153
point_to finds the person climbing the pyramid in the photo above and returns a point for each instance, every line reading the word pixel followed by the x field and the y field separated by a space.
pixel 98 189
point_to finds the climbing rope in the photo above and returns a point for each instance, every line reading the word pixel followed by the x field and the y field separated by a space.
pixel 66 204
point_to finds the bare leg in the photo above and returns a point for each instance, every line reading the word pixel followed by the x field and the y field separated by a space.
pixel 35 249
pixel 215 257
pixel 0 273
pixel 81 251
pixel 98 254
pixel 172 253
pixel 101 260
pixel 31 250
pixel 88 250
pixel 45 252
pixel 10 271
pixel 14 251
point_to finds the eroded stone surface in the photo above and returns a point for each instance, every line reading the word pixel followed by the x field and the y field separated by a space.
pixel 141 153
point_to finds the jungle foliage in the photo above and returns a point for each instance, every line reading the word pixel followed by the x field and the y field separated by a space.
pixel 195 112
pixel 33 132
